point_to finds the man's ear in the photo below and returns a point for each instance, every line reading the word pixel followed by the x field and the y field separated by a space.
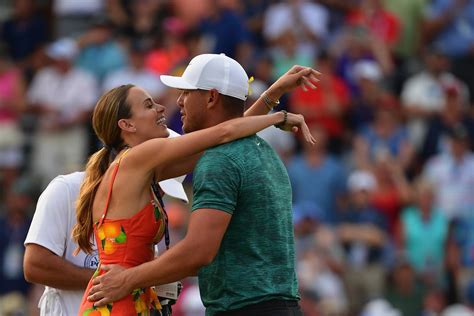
pixel 126 125
pixel 212 98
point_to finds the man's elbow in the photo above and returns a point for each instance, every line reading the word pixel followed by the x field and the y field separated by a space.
pixel 205 258
pixel 30 272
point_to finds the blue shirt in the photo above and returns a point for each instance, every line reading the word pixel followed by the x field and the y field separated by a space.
pixel 225 33
pixel 319 185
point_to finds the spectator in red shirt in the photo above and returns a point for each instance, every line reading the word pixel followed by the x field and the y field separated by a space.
pixel 326 106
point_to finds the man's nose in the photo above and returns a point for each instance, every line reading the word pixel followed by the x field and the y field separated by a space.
pixel 179 101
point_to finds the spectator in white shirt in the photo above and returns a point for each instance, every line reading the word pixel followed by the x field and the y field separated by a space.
pixel 63 97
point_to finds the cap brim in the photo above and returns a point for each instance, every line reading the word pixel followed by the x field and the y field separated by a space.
pixel 174 188
pixel 176 82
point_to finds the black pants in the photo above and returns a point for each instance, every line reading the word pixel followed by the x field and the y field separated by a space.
pixel 267 308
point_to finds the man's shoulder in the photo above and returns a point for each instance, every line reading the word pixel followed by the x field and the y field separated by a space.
pixel 72 179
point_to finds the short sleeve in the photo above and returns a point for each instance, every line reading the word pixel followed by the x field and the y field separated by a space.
pixel 216 183
pixel 49 225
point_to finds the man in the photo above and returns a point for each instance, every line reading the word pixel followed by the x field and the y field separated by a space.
pixel 49 258
pixel 240 233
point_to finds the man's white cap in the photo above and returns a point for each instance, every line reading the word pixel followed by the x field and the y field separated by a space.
pixel 361 180
pixel 212 71
pixel 64 48
pixel 174 187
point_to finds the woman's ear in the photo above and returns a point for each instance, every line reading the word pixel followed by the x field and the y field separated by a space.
pixel 126 125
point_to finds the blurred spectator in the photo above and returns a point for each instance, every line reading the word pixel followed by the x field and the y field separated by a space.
pixel 223 30
pixel 320 264
pixel 385 138
pixel 307 22
pixel 367 78
pixel 409 14
pixel 62 96
pixel 453 173
pixel 145 21
pixel 338 10
pixel 423 235
pixel 24 33
pixel 434 302
pixel 135 73
pixel 99 53
pixel 73 17
pixel 361 230
pixel 317 178
pixel 325 106
pixel 14 223
pixel 450 25
pixel 12 104
pixel 172 49
pixel 455 112
pixel 424 96
pixel 253 12
pixel 393 189
pixel 354 45
pixel 380 307
pixel 285 54
pixel 409 44
pixel 382 25
pixel 460 258
pixel 404 292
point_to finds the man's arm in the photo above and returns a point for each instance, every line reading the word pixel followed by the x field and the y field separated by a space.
pixel 45 267
pixel 205 232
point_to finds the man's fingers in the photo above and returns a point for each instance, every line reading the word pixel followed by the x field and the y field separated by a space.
pixel 96 280
pixel 106 267
pixel 96 296
pixel 102 302
pixel 94 289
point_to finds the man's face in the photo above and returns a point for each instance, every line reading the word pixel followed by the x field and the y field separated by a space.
pixel 192 104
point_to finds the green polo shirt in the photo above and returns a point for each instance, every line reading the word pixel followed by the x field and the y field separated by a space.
pixel 256 259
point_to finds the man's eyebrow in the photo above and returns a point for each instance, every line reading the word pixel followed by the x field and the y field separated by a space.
pixel 147 99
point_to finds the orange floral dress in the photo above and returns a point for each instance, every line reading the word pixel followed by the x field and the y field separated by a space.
pixel 128 242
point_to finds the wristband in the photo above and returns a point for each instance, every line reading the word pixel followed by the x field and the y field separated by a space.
pixel 285 117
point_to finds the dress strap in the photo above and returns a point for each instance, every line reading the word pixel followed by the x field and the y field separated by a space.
pixel 109 195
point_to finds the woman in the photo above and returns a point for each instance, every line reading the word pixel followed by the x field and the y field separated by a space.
pixel 129 122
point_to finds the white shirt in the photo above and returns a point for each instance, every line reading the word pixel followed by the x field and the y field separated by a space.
pixel 280 18
pixel 70 94
pixel 51 228
pixel 454 183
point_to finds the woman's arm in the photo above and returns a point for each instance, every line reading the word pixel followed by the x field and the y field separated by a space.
pixel 305 77
pixel 144 156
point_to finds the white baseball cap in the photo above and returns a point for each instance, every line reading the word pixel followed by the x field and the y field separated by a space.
pixel 174 187
pixel 361 180
pixel 64 48
pixel 212 71
pixel 367 69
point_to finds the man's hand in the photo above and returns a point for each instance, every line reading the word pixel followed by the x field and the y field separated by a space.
pixel 110 286
pixel 304 77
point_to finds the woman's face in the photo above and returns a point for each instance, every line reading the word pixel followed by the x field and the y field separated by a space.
pixel 148 117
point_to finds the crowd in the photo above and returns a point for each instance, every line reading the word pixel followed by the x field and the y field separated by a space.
pixel 383 204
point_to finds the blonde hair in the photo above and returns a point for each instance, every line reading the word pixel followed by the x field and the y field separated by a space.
pixel 110 108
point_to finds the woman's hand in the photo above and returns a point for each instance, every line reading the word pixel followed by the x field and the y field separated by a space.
pixel 294 122
pixel 297 76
